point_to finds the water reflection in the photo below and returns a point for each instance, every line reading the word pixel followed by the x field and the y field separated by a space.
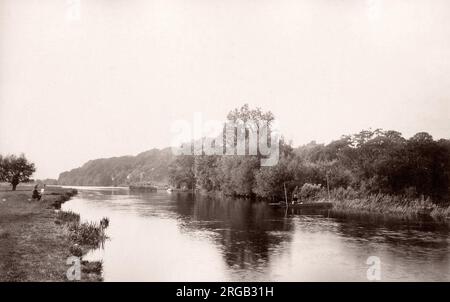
pixel 247 231
pixel 182 237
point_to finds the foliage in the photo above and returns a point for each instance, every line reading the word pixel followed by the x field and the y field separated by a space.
pixel 152 166
pixel 88 233
pixel 15 169
pixel 310 191
pixel 68 216
pixel 366 163
pixel 270 181
pixel 207 172
pixel 237 174
pixel 181 172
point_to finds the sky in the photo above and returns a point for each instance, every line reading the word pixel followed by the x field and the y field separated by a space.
pixel 83 79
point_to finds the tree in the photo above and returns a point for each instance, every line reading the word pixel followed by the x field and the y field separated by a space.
pixel 2 169
pixel 249 122
pixel 207 172
pixel 237 174
pixel 15 169
pixel 270 181
pixel 182 172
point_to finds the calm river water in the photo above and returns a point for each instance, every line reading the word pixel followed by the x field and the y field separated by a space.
pixel 176 237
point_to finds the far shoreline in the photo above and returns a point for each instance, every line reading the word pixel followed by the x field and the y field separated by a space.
pixel 374 204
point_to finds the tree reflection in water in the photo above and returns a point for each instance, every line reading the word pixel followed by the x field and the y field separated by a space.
pixel 248 231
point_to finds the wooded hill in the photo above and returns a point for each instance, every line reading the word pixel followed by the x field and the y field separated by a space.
pixel 151 166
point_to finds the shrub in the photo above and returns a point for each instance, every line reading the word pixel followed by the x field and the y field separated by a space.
pixel 310 191
pixel 68 216
pixel 342 194
pixel 91 234
pixel 88 267
pixel 76 250
pixel 104 223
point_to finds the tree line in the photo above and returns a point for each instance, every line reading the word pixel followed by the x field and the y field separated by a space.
pixel 15 169
pixel 369 162
pixel 148 166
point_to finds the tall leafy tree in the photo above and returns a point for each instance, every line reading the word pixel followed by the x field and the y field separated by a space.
pixel 182 172
pixel 207 172
pixel 16 169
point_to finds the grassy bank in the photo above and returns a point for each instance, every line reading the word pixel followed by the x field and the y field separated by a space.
pixel 351 201
pixel 398 205
pixel 36 238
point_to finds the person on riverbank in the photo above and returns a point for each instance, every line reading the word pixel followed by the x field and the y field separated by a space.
pixel 295 196
pixel 42 191
pixel 36 194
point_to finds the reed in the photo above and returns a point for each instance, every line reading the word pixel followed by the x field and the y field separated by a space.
pixel 68 216
pixel 88 234
pixel 350 200
pixel 441 213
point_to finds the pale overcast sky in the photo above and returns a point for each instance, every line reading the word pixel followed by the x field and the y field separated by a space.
pixel 112 81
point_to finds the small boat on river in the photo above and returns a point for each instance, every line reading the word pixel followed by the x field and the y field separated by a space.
pixel 297 204
pixel 143 187
pixel 304 206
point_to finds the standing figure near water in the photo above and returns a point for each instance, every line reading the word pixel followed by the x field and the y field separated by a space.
pixel 295 196
pixel 42 191
pixel 36 194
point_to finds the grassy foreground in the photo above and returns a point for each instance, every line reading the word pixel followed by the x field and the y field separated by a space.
pixel 36 239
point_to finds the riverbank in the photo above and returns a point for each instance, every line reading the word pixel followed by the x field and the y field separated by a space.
pixel 36 238
pixel 384 204
pixel 350 201
pixel 249 240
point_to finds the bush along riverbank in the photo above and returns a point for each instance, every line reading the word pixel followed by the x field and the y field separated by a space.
pixel 351 201
pixel 42 243
pixel 84 237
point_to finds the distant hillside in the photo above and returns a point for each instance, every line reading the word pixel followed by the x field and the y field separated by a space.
pixel 151 165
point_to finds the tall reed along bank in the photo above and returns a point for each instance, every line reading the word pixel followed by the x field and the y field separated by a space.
pixel 39 242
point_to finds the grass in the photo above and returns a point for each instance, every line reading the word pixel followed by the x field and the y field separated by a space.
pixel 89 234
pixel 351 201
pixel 68 217
pixel 34 244
pixel 92 267
pixel 441 212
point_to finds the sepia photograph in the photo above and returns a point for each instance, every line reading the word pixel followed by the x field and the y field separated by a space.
pixel 244 142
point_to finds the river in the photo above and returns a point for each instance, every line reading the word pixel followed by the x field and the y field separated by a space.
pixel 178 237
